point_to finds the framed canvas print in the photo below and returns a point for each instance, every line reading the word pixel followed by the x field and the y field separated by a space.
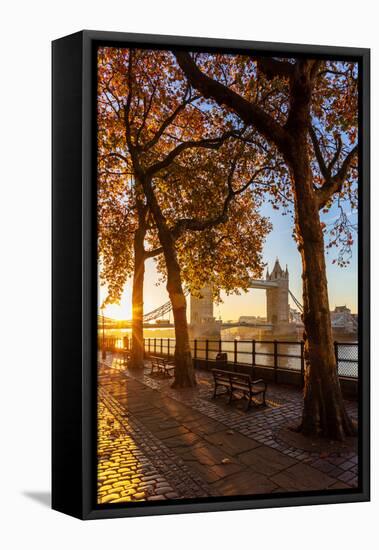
pixel 210 274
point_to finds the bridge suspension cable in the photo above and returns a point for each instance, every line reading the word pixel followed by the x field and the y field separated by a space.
pixel 160 311
pixel 296 301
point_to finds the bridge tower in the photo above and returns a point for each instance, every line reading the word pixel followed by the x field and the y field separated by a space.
pixel 277 298
pixel 202 322
pixel 202 307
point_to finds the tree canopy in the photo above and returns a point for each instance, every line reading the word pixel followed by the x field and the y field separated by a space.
pixel 194 185
pixel 259 91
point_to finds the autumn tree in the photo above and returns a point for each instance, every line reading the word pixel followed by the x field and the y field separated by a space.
pixel 126 236
pixel 125 241
pixel 227 254
pixel 169 143
pixel 304 113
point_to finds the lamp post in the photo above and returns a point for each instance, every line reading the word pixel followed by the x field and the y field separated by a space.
pixel 103 353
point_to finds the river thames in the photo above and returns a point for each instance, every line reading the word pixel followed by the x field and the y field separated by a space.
pixel 240 349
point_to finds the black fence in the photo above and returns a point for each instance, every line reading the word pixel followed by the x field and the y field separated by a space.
pixel 277 355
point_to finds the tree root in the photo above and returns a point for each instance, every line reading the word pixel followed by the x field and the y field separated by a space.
pixel 183 384
pixel 349 429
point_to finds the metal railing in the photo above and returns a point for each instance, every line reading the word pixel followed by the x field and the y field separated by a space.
pixel 278 355
pixel 113 343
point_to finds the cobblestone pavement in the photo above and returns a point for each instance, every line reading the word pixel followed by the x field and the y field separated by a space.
pixel 153 469
pixel 183 444
pixel 124 472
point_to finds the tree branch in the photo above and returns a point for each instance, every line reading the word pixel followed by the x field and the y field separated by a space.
pixel 250 113
pixel 166 123
pixel 154 252
pixel 319 156
pixel 210 143
pixel 336 155
pixel 146 111
pixel 330 71
pixel 316 65
pixel 193 224
pixel 128 102
pixel 334 184
pixel 273 68
pixel 115 155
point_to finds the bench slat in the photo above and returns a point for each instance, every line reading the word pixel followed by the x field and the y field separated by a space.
pixel 240 382
pixel 161 364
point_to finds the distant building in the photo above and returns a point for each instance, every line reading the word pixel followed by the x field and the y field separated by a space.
pixel 295 316
pixel 343 320
pixel 251 319
pixel 342 309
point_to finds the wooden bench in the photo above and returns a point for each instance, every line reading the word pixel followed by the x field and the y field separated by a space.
pixel 161 365
pixel 238 383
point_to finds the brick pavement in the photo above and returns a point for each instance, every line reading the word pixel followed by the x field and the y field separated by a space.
pixel 189 445
pixel 125 474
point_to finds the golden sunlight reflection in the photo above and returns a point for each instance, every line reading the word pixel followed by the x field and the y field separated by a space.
pixel 119 468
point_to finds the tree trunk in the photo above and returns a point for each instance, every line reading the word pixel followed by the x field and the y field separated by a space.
pixel 184 370
pixel 324 412
pixel 137 349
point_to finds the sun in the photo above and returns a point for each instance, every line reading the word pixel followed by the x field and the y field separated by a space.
pixel 123 310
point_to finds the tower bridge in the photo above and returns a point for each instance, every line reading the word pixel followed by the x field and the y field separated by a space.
pixel 276 285
pixel 203 322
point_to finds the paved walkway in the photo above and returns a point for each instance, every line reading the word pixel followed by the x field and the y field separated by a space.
pixel 156 443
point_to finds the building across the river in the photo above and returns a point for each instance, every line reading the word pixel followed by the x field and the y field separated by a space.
pixel 343 321
pixel 246 319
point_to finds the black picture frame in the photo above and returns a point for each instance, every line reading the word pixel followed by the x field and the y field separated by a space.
pixel 74 272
